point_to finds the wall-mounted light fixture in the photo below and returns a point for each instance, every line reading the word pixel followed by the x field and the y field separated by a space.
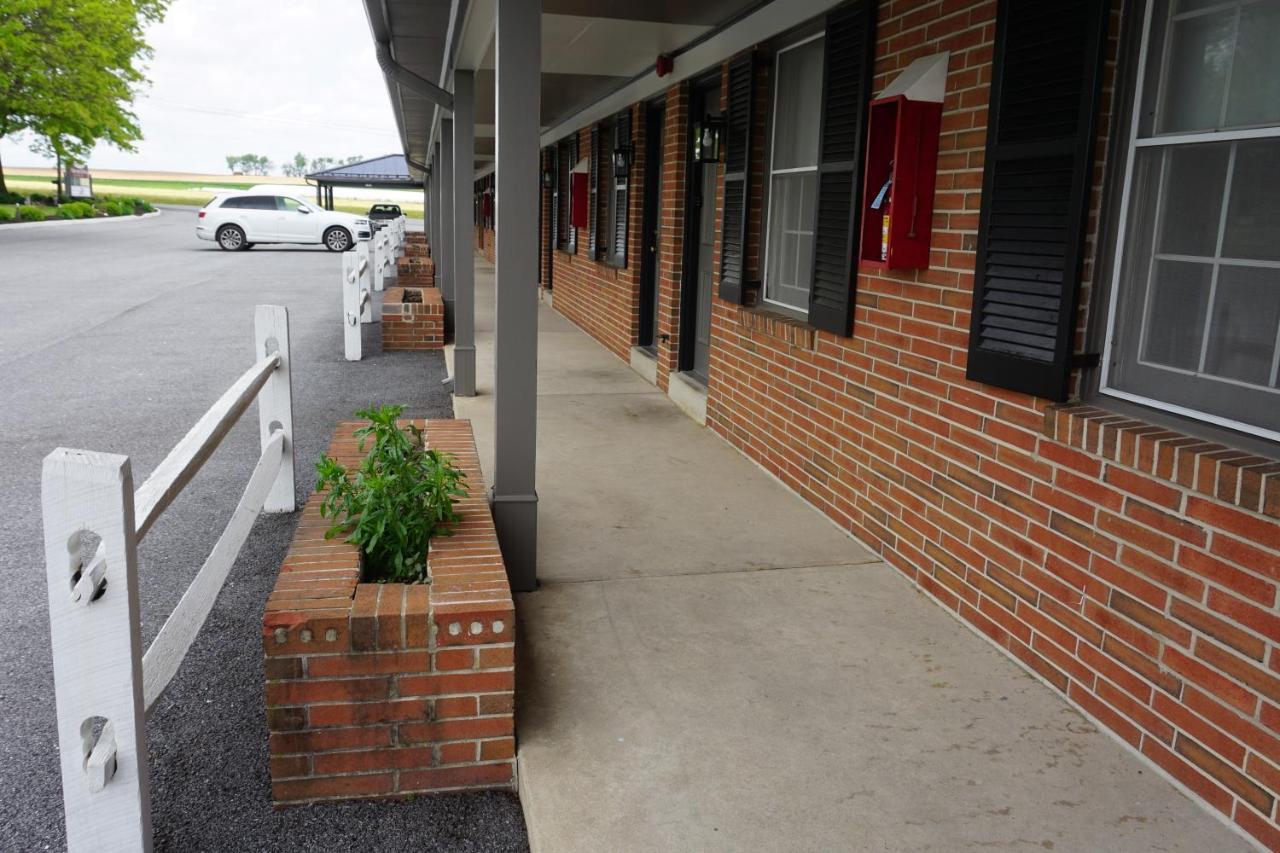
pixel 706 140
pixel 546 177
pixel 621 159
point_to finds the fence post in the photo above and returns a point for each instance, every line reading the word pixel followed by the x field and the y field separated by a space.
pixel 376 264
pixel 275 400
pixel 97 649
pixel 352 280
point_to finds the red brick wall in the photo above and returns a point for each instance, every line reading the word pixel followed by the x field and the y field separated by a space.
pixel 390 689
pixel 603 299
pixel 1132 568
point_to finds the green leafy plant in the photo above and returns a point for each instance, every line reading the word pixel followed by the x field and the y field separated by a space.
pixel 400 496
pixel 28 213
pixel 7 213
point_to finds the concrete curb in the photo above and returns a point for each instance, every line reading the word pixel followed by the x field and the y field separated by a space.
pixel 50 223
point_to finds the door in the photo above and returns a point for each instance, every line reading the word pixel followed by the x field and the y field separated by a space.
pixel 700 236
pixel 292 224
pixel 706 265
pixel 654 115
pixel 258 213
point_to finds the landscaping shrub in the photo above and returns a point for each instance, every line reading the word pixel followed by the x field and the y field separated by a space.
pixel 401 495
pixel 27 213
pixel 7 213
pixel 41 198
pixel 11 198
pixel 72 210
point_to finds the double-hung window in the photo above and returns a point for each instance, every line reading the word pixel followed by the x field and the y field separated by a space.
pixel 1194 326
pixel 793 174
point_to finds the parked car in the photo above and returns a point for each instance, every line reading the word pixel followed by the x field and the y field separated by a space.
pixel 240 220
pixel 385 211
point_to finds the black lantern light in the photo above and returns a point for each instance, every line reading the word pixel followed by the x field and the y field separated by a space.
pixel 706 140
pixel 546 177
pixel 621 159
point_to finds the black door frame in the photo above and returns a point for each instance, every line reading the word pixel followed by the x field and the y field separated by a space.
pixel 654 116
pixel 698 95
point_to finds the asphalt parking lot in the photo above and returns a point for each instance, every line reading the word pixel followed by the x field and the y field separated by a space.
pixel 116 336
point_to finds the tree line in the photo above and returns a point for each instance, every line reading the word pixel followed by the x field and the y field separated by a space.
pixel 295 167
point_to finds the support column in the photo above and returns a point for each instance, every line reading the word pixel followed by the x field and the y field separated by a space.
pixel 515 499
pixel 447 225
pixel 437 249
pixel 464 264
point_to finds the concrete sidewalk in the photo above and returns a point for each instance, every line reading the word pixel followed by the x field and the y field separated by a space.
pixel 711 665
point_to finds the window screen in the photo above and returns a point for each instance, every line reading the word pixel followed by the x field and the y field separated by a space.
pixel 1197 323
pixel 793 174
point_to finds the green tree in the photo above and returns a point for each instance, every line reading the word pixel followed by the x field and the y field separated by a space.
pixel 69 71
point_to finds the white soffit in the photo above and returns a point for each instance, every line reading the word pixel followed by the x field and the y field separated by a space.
pixel 759 26
pixel 608 46
pixel 923 80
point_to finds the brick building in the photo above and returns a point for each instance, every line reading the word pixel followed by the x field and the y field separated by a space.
pixel 996 287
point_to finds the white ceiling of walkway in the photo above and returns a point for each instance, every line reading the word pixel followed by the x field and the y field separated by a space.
pixel 590 48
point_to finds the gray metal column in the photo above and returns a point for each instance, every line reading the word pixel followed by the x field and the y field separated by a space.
pixel 462 215
pixel 437 179
pixel 515 499
pixel 447 225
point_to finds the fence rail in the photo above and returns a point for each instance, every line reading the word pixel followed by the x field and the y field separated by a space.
pixel 103 682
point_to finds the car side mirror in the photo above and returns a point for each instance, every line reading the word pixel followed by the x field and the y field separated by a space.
pixel 302 209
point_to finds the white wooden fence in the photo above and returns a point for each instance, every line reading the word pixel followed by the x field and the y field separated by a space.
pixel 364 271
pixel 103 682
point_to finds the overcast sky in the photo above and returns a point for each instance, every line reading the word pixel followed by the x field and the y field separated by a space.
pixel 271 77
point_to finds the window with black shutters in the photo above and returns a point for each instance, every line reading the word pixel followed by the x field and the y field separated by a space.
pixel 619 191
pixel 571 163
pixel 821 86
pixel 593 196
pixel 1035 192
pixel 557 210
pixel 1196 324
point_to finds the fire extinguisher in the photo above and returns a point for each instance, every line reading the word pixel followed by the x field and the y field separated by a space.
pixel 882 203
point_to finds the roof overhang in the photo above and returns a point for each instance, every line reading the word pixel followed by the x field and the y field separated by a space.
pixel 598 56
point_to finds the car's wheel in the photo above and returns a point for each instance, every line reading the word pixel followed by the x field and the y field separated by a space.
pixel 231 238
pixel 337 239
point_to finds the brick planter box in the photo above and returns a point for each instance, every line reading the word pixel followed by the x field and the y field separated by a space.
pixel 377 690
pixel 416 272
pixel 416 250
pixel 416 237
pixel 412 325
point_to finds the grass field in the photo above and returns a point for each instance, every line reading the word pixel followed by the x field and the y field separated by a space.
pixel 175 187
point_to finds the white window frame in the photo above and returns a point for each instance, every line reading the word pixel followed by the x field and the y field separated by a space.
pixel 1134 144
pixel 768 178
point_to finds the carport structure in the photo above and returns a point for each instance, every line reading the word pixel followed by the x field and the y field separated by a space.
pixel 978 333
pixel 388 172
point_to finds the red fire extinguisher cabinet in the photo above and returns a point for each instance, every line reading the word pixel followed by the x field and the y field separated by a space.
pixel 902 138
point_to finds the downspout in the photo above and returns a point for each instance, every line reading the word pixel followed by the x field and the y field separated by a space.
pixel 406 78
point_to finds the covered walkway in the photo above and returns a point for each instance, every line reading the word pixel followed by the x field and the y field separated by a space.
pixel 711 665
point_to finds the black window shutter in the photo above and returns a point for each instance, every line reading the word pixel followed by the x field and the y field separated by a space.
pixel 849 55
pixel 621 189
pixel 1035 193
pixel 737 177
pixel 554 153
pixel 593 195
pixel 573 164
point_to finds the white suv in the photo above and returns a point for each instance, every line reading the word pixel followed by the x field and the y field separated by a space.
pixel 239 220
